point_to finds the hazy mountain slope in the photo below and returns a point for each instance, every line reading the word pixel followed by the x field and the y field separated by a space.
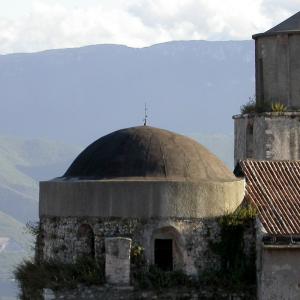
pixel 18 205
pixel 10 227
pixel 17 245
pixel 23 162
pixel 77 95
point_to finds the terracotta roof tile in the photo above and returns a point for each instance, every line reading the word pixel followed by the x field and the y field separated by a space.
pixel 273 187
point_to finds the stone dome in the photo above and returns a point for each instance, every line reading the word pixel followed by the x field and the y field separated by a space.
pixel 148 153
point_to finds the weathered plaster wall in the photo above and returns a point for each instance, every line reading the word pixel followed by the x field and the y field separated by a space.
pixel 276 136
pixel 280 276
pixel 192 238
pixel 278 69
pixel 139 198
pixel 260 233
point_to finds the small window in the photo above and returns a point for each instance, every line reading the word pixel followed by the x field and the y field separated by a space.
pixel 163 254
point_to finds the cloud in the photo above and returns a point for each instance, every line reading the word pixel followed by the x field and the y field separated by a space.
pixel 138 23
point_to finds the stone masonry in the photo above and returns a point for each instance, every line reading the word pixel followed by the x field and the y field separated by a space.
pixel 192 237
pixel 267 136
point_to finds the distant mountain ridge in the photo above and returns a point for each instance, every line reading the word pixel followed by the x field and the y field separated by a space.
pixel 77 95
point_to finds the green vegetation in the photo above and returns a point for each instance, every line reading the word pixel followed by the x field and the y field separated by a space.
pixel 253 107
pixel 137 256
pixel 154 278
pixel 278 107
pixel 16 231
pixel 151 277
pixel 249 107
pixel 22 163
pixel 34 277
pixel 237 268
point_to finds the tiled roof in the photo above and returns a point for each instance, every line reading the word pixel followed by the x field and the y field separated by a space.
pixel 273 187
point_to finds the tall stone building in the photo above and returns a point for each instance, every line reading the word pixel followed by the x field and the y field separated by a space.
pixel 273 135
pixel 267 153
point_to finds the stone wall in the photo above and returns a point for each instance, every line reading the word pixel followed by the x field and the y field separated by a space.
pixel 277 69
pixel 192 238
pixel 276 136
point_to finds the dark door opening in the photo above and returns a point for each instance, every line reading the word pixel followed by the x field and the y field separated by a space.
pixel 163 254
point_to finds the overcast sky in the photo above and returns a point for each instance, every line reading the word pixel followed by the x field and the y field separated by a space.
pixel 34 25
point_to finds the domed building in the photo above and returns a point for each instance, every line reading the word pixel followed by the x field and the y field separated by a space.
pixel 139 186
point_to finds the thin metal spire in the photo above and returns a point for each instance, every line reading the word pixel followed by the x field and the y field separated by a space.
pixel 146 115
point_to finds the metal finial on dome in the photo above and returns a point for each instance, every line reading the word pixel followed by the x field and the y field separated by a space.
pixel 146 115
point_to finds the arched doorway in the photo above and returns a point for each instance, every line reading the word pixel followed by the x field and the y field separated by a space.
pixel 85 241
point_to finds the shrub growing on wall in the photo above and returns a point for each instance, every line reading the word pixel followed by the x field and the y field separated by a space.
pixel 237 267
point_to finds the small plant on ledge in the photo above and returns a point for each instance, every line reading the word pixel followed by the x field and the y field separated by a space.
pixel 252 107
pixel 249 107
pixel 278 107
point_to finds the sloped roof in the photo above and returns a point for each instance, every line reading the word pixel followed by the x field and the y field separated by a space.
pixel 290 24
pixel 273 187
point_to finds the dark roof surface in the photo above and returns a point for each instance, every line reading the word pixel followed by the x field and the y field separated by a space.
pixel 292 24
pixel 148 152
pixel 274 189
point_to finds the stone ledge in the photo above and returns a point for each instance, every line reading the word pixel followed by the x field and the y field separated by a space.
pixel 267 114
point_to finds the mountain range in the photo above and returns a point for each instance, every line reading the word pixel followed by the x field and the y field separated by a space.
pixel 76 95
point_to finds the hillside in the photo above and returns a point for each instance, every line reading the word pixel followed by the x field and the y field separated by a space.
pixel 23 163
pixel 76 95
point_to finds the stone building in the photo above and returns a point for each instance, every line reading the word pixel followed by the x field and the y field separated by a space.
pixel 273 188
pixel 145 186
pixel 267 153
pixel 273 135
